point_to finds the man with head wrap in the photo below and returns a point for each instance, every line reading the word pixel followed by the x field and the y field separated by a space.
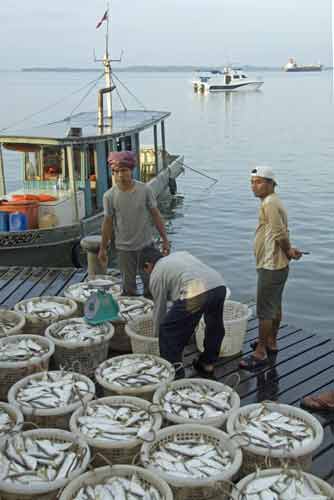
pixel 130 212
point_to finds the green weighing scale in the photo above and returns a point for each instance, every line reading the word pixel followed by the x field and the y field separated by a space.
pixel 100 307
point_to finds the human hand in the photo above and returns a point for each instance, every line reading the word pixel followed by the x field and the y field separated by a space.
pixel 165 247
pixel 294 253
pixel 103 257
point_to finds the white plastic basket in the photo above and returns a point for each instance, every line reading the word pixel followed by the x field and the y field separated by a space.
pixel 144 391
pixel 15 317
pixel 236 316
pixel 102 474
pixel 15 416
pixel 45 490
pixel 217 421
pixel 238 492
pixel 117 452
pixel 258 456
pixel 140 332
pixel 192 488
pixel 57 418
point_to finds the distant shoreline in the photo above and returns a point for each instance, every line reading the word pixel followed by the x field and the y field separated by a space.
pixel 149 69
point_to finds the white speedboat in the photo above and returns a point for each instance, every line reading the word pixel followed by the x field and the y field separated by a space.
pixel 228 80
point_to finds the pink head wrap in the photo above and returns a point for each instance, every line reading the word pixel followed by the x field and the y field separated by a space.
pixel 122 158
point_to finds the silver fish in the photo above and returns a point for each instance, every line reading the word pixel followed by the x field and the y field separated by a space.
pixel 82 291
pixel 6 422
pixel 12 350
pixel 119 488
pixel 44 308
pixel 78 330
pixel 115 422
pixel 52 390
pixel 134 371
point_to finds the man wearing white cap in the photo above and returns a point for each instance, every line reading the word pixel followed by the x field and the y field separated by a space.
pixel 273 252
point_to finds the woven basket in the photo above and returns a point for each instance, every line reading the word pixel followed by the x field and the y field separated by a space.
pixel 189 488
pixel 145 391
pixel 236 316
pixel 16 418
pixel 140 332
pixel 82 357
pixel 99 476
pixel 260 457
pixel 217 421
pixel 237 494
pixel 35 324
pixel 16 317
pixel 120 342
pixel 11 372
pixel 117 452
pixel 57 418
pixel 44 490
pixel 69 292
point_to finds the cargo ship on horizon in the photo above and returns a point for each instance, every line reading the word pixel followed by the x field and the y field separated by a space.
pixel 293 67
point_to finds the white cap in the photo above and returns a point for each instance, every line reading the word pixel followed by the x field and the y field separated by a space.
pixel 265 172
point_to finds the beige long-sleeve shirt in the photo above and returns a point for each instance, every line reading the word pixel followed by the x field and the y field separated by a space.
pixel 272 227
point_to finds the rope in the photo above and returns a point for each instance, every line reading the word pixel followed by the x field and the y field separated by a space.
pixel 47 108
pixel 86 95
pixel 129 91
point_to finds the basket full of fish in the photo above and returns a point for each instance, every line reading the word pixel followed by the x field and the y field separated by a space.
pixel 11 420
pixel 196 401
pixel 48 399
pixel 115 427
pixel 80 346
pixel 272 434
pixel 197 461
pixel 282 484
pixel 40 312
pixel 130 308
pixel 20 356
pixel 116 483
pixel 11 322
pixel 37 464
pixel 141 334
pixel 80 292
pixel 134 375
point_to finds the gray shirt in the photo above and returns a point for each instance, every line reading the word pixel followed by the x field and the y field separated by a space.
pixel 132 220
pixel 179 276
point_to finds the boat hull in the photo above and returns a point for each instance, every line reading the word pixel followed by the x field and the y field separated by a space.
pixel 60 246
pixel 305 69
pixel 236 87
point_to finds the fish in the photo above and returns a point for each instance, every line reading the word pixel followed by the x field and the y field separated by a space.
pixel 7 423
pixel 132 307
pixel 6 325
pixel 82 291
pixel 189 459
pixel 120 488
pixel 44 308
pixel 197 401
pixel 286 485
pixel 52 390
pixel 23 349
pixel 78 330
pixel 27 459
pixel 134 371
pixel 115 422
pixel 272 429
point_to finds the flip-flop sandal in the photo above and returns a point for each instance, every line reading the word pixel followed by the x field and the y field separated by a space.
pixel 317 403
pixel 251 363
pixel 269 351
pixel 201 370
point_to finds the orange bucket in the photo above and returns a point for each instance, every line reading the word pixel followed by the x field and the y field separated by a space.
pixel 30 208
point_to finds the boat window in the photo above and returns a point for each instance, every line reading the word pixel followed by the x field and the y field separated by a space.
pixel 51 159
pixel 236 77
pixel 243 76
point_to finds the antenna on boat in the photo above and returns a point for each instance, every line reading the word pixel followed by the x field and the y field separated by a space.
pixel 106 61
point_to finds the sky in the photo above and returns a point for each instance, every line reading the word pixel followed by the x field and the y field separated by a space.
pixel 165 32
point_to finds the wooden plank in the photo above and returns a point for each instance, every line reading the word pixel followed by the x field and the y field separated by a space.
pixel 18 281
pixel 41 286
pixel 7 276
pixel 24 289
pixel 61 279
pixel 78 276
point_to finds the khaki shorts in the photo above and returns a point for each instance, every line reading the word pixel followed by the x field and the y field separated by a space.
pixel 270 285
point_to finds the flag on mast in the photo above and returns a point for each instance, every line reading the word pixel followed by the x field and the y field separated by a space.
pixel 103 18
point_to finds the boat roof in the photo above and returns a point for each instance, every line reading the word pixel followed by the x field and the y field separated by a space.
pixel 57 133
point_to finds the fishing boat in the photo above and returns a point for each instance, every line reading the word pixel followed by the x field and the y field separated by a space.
pixel 65 175
pixel 228 80
pixel 293 67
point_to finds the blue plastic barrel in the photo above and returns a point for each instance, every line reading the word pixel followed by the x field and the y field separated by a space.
pixel 4 221
pixel 18 221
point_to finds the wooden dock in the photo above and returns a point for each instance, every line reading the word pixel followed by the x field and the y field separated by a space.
pixel 304 364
